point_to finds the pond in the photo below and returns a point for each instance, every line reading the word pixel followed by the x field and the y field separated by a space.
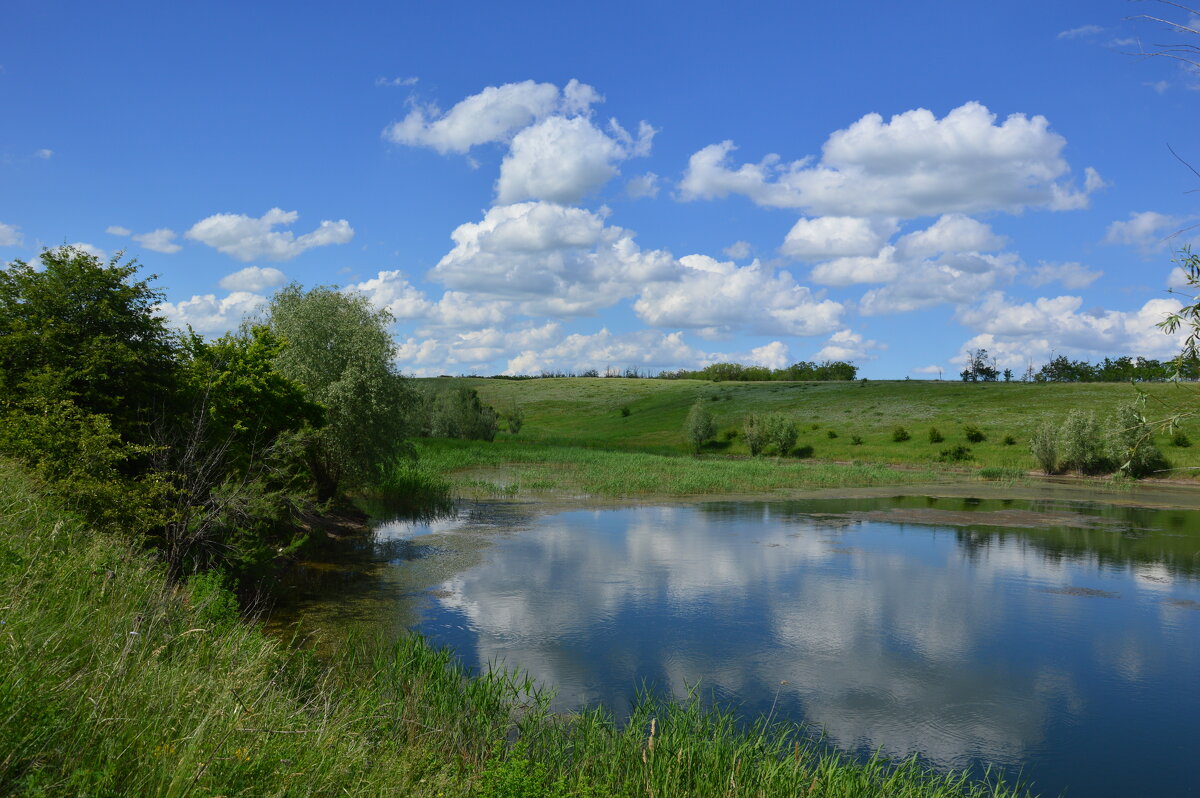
pixel 1058 639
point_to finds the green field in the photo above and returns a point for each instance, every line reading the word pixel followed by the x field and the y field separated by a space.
pixel 588 413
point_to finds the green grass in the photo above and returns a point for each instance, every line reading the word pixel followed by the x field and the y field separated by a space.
pixel 115 682
pixel 511 468
pixel 587 413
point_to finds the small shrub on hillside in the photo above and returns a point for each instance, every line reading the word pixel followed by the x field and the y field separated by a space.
pixel 935 436
pixel 831 434
pixel 455 411
pixel 755 433
pixel 781 433
pixel 729 434
pixel 900 434
pixel 856 440
pixel 815 426
pixel 955 454
pixel 1081 443
pixel 625 411
pixel 1130 448
pixel 1181 439
pixel 1043 444
pixel 974 434
pixel 1010 440
pixel 699 427
pixel 514 418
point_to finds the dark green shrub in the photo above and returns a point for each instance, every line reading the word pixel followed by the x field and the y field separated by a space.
pixel 935 436
pixel 1010 440
pixel 900 434
pixel 1082 443
pixel 1130 446
pixel 781 433
pixel 831 434
pixel 514 418
pixel 955 454
pixel 625 411
pixel 855 440
pixel 755 433
pixel 1181 439
pixel 974 434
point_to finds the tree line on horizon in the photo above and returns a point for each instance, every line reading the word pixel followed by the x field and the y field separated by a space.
pixel 982 367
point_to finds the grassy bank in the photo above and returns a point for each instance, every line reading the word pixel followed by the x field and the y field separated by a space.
pixel 507 467
pixel 115 682
pixel 838 421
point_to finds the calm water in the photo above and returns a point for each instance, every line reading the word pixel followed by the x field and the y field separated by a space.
pixel 1058 639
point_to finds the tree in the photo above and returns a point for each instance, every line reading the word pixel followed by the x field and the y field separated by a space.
pixel 755 433
pixel 781 433
pixel 339 349
pixel 82 330
pixel 700 427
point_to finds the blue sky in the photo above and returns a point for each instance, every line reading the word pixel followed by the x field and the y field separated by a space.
pixel 557 186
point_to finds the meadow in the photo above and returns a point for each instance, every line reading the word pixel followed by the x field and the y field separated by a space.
pixel 571 422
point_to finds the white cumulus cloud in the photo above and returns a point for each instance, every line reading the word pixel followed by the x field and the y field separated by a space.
pixel 913 165
pixel 847 345
pixel 211 314
pixel 494 114
pixel 253 279
pixel 1148 230
pixel 559 159
pixel 1073 276
pixel 722 297
pixel 643 186
pixel 10 235
pixel 836 236
pixel 555 260
pixel 246 238
pixel 160 240
pixel 117 230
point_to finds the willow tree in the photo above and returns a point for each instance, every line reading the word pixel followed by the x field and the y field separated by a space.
pixel 340 350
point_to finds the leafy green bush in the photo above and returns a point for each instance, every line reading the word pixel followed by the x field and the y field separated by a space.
pixel 1181 439
pixel 973 434
pixel 900 434
pixel 781 433
pixel 454 410
pixel 955 454
pixel 1082 443
pixel 831 434
pixel 855 440
pixel 1043 444
pixel 514 418
pixel 935 436
pixel 1130 448
pixel 699 427
pixel 625 411
pixel 1009 440
pixel 756 433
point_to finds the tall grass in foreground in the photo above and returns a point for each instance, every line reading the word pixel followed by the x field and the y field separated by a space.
pixel 601 472
pixel 114 682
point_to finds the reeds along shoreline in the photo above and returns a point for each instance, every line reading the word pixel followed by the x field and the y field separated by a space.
pixel 114 681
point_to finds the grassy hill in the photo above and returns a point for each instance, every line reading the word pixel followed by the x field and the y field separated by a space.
pixel 647 415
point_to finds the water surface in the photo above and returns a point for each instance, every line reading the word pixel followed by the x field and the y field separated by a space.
pixel 1060 639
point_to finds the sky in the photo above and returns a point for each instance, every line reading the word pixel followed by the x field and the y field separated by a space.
pixel 532 187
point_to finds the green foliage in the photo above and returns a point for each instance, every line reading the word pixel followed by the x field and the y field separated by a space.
pixel 213 599
pixel 1009 440
pixel 514 418
pixel 454 410
pixel 831 434
pixel 81 330
pixel 955 454
pixel 1130 449
pixel 699 427
pixel 1043 445
pixel 84 461
pixel 973 434
pixel 900 434
pixel 781 433
pixel 755 433
pixel 935 436
pixel 340 350
pixel 804 371
pixel 856 440
pixel 625 411
pixel 1180 439
pixel 1082 443
pixel 412 485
